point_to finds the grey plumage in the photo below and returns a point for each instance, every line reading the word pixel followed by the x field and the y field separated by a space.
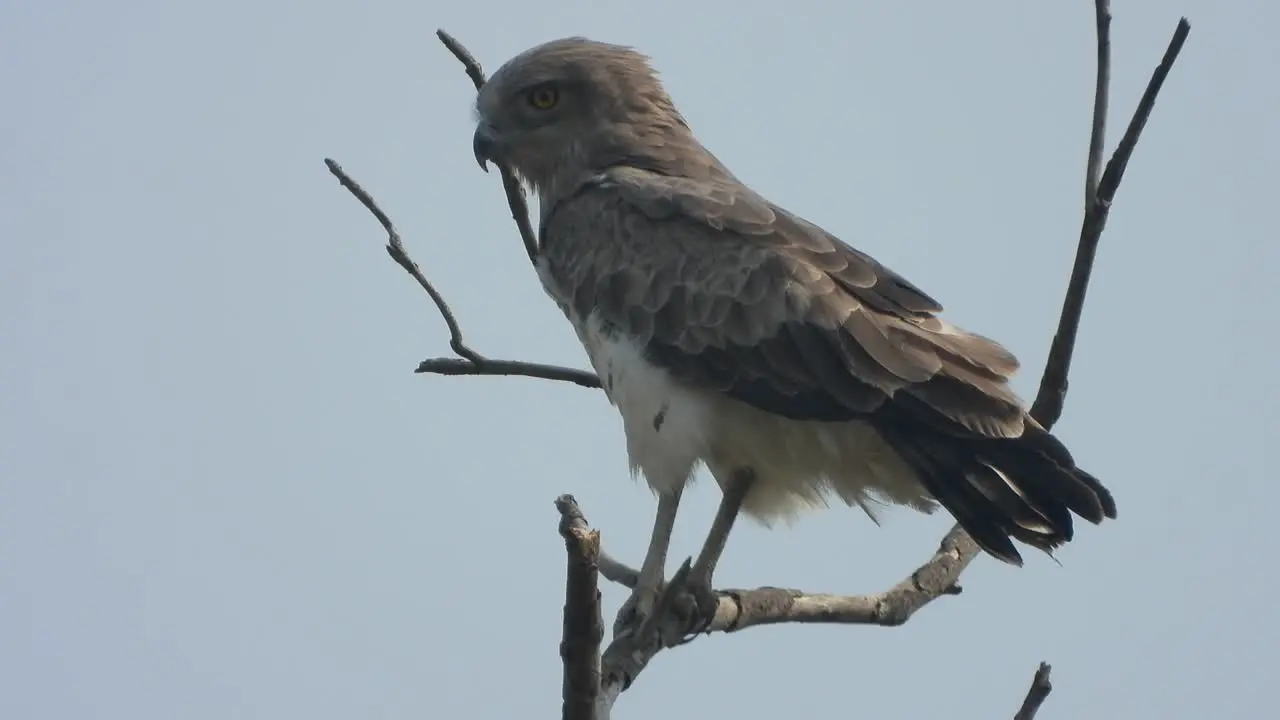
pixel 775 346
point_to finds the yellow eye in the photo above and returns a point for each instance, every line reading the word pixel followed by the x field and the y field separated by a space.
pixel 544 97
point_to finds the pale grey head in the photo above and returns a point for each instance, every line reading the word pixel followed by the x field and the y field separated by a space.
pixel 572 107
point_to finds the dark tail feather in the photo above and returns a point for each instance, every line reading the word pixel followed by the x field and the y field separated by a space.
pixel 1024 488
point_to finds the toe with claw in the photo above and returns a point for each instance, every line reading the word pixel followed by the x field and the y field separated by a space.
pixel 704 605
pixel 700 604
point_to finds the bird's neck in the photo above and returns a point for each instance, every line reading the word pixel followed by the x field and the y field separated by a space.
pixel 665 149
pixel 668 150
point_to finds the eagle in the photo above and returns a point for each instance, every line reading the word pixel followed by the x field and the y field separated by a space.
pixel 732 334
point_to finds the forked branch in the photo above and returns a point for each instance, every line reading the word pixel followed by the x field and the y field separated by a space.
pixel 1101 187
pixel 592 682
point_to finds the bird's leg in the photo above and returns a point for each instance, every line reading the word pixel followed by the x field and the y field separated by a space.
pixel 704 567
pixel 735 492
pixel 649 582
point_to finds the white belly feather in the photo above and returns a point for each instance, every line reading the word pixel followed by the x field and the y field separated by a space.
pixel 666 424
pixel 671 428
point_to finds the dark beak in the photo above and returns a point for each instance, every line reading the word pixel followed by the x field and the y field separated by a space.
pixel 483 144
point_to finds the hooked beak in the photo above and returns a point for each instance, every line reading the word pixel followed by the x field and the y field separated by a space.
pixel 483 144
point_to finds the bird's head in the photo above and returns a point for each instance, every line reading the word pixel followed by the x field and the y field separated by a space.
pixel 573 107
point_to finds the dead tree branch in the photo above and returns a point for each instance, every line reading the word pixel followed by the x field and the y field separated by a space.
pixel 593 681
pixel 739 609
pixel 511 185
pixel 628 655
pixel 583 626
pixel 468 362
pixel 1101 192
pixel 1036 694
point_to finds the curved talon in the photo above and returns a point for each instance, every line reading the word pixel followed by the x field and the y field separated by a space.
pixel 703 601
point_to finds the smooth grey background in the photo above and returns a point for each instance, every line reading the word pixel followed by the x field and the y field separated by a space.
pixel 223 494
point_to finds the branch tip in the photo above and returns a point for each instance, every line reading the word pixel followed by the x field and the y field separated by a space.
pixel 1036 694
pixel 583 628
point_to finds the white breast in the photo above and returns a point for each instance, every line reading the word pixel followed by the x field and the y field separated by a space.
pixel 672 428
pixel 665 423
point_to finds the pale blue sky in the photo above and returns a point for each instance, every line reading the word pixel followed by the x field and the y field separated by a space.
pixel 223 493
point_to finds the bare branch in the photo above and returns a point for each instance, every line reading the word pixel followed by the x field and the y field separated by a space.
pixel 469 62
pixel 1053 383
pixel 468 362
pixel 583 626
pixel 739 609
pixel 616 571
pixel 490 367
pixel 628 655
pixel 1101 91
pixel 1120 160
pixel 395 248
pixel 514 190
pixel 1036 694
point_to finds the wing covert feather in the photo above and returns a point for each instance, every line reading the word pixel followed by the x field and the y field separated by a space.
pixel 730 292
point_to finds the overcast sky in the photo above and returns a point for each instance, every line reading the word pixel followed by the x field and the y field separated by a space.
pixel 224 494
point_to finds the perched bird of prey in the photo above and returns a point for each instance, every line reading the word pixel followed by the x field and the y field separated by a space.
pixel 733 334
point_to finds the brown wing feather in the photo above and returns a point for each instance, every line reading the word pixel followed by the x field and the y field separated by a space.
pixel 732 293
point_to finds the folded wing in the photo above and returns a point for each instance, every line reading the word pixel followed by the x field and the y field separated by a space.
pixel 734 294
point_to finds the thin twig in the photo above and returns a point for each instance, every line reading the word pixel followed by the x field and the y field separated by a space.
pixel 1124 150
pixel 583 626
pixel 1053 383
pixel 1036 694
pixel 510 184
pixel 469 62
pixel 468 362
pixel 491 367
pixel 395 248
pixel 1101 90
